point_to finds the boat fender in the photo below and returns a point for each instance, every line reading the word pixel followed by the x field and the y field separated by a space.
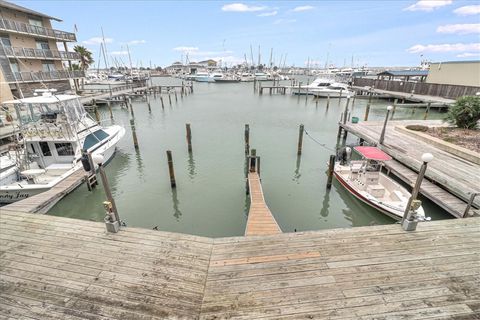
pixel 86 163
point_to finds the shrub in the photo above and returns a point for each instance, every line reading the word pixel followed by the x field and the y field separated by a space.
pixel 465 113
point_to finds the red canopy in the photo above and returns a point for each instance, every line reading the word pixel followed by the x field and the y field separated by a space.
pixel 373 153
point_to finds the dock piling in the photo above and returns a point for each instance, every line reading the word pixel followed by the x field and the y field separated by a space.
pixel 161 100
pixel 384 128
pixel 394 108
pixel 328 101
pixel 247 139
pixel 367 109
pixel 300 139
pixel 109 104
pixel 331 165
pixel 134 133
pixel 345 113
pixel 427 110
pixel 171 172
pixel 189 137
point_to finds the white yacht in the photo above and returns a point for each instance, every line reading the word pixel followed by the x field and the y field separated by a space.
pixel 247 77
pixel 365 180
pixel 334 90
pixel 203 77
pixel 317 85
pixel 261 76
pixel 56 132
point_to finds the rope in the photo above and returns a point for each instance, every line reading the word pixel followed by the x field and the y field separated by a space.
pixel 318 142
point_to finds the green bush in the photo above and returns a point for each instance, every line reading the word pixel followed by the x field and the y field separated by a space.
pixel 465 113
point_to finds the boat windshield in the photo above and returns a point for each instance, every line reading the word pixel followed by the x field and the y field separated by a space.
pixel 94 138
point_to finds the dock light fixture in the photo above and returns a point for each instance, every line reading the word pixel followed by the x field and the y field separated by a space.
pixel 382 135
pixel 477 94
pixel 409 220
pixel 112 219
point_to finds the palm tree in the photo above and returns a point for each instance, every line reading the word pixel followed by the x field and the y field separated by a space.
pixel 86 59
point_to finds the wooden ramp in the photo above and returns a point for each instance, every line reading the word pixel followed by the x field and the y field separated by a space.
pixel 44 201
pixel 59 268
pixel 260 219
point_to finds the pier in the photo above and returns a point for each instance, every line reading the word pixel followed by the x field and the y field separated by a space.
pixel 63 268
pixel 451 180
pixel 273 89
pixel 436 101
pixel 44 201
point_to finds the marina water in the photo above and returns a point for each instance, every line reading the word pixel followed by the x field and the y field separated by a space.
pixel 210 198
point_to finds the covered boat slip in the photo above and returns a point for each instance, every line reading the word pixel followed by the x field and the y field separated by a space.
pixel 59 268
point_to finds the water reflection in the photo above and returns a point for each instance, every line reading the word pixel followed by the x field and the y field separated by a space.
pixel 140 165
pixel 325 204
pixel 191 166
pixel 176 211
pixel 297 174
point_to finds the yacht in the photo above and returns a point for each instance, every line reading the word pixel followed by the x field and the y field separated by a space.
pixel 216 76
pixel 203 77
pixel 56 133
pixel 334 90
pixel 261 76
pixel 317 85
pixel 247 77
pixel 365 180
pixel 227 78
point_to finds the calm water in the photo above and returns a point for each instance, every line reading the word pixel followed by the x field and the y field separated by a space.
pixel 210 197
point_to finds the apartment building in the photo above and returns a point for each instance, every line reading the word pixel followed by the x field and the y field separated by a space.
pixel 29 54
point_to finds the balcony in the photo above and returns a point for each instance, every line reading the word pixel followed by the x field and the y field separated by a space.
pixel 42 76
pixel 39 32
pixel 31 53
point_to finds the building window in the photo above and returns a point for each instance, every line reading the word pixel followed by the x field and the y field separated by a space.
pixel 35 22
pixel 14 66
pixel 5 40
pixel 42 45
pixel 64 149
pixel 48 66
pixel 45 149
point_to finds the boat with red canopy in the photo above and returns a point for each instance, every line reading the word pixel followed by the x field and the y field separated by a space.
pixel 365 180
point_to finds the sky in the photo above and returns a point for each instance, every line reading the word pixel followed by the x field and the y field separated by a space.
pixel 372 33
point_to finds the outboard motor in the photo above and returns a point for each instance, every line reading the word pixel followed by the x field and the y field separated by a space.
pixel 86 162
pixel 344 155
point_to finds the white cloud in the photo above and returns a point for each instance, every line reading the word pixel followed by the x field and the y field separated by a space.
pixel 303 8
pixel 449 47
pixel 185 49
pixel 468 10
pixel 468 55
pixel 428 5
pixel 460 28
pixel 97 40
pixel 268 14
pixel 119 53
pixel 135 42
pixel 282 21
pixel 241 7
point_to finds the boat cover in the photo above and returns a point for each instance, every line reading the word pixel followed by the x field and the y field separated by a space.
pixel 373 153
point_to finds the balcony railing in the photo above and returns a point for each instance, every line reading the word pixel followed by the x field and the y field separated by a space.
pixel 44 76
pixel 40 53
pixel 21 27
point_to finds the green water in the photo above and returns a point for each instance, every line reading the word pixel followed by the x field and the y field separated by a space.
pixel 210 197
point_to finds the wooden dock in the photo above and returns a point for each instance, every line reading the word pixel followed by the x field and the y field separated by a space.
pixel 60 268
pixel 436 101
pixel 44 201
pixel 273 89
pixel 452 179
pixel 260 219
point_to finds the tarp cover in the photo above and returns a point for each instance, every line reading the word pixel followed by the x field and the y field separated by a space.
pixel 373 153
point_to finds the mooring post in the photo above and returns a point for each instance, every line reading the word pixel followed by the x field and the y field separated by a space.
pixel 247 139
pixel 384 128
pixel 161 100
pixel 306 96
pixel 171 172
pixel 148 104
pixel 298 92
pixel 328 101
pixel 353 101
pixel 340 97
pixel 169 98
pixel 409 221
pixel 345 113
pixel 300 139
pixel 253 161
pixel 395 101
pixel 134 133
pixel 95 110
pixel 131 110
pixel 331 166
pixel 189 137
pixel 367 109
pixel 109 103
pixel 176 98
pixel 427 110
pixel 254 84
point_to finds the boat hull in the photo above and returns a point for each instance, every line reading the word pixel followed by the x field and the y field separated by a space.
pixel 333 94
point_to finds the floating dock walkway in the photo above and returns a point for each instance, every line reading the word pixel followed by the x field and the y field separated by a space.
pixel 61 268
pixel 260 219
pixel 453 180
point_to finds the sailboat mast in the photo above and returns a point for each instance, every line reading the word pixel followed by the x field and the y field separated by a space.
pixel 104 49
pixel 130 60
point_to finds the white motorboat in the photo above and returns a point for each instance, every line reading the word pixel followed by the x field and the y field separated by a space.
pixel 317 85
pixel 227 78
pixel 57 132
pixel 334 90
pixel 261 76
pixel 247 77
pixel 203 77
pixel 365 180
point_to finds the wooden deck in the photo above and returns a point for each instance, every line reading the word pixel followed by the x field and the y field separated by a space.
pixel 407 96
pixel 455 179
pixel 260 219
pixel 60 268
pixel 44 201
